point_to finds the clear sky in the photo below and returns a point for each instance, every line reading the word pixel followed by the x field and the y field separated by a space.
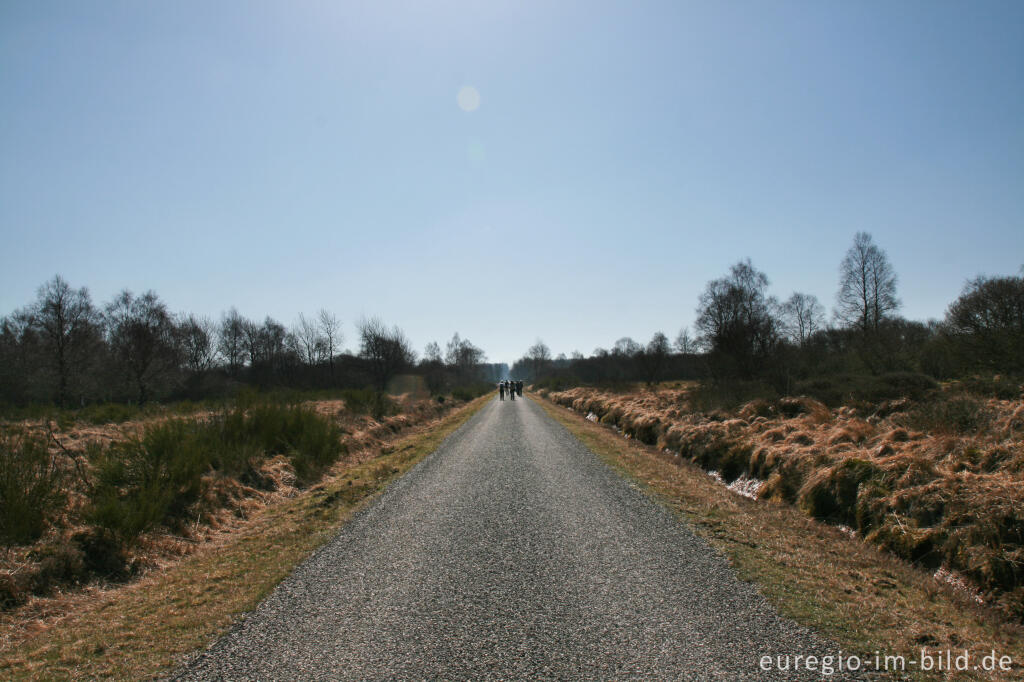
pixel 287 156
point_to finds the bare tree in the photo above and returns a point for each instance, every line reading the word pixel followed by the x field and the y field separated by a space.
pixel 196 338
pixel 987 322
pixel 539 357
pixel 801 315
pixel 653 358
pixel 387 350
pixel 626 347
pixel 141 334
pixel 685 344
pixel 432 353
pixel 462 357
pixel 735 320
pixel 330 328
pixel 231 341
pixel 310 343
pixel 67 324
pixel 867 286
pixel 434 373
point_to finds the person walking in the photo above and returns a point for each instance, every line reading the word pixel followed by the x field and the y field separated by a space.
pixel 501 390
pixel 519 388
pixel 512 389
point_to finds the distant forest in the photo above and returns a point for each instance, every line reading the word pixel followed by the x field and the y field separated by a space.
pixel 62 349
pixel 743 335
pixel 65 350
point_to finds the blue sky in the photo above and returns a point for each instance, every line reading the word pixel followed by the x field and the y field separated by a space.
pixel 287 156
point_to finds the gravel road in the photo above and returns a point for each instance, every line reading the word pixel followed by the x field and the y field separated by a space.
pixel 510 552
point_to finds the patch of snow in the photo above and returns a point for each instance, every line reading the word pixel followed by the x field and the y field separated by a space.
pixel 846 529
pixel 958 582
pixel 717 476
pixel 591 417
pixel 747 486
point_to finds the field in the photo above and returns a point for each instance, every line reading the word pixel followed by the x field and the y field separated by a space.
pixel 89 503
pixel 937 481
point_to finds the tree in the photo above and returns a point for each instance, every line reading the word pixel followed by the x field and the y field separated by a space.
pixel 987 323
pixel 196 341
pixel 735 320
pixel 867 287
pixel 310 343
pixel 231 341
pixel 433 369
pixel 141 334
pixel 387 350
pixel 66 324
pixel 330 328
pixel 626 347
pixel 462 357
pixel 654 357
pixel 685 344
pixel 801 315
pixel 432 353
pixel 539 357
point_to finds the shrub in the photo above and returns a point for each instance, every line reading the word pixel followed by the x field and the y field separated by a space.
pixel 958 414
pixel 831 494
pixel 994 387
pixel 368 401
pixel 144 481
pixel 31 486
pixel 843 389
pixel 710 396
pixel 155 479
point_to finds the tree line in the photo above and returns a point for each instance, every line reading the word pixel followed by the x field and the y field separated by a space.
pixel 65 350
pixel 743 333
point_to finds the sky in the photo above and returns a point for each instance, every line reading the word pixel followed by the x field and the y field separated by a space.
pixel 508 170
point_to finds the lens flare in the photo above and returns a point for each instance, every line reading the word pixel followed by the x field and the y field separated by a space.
pixel 468 98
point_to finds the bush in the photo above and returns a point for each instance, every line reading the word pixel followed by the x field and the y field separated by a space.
pixel 145 481
pixel 31 486
pixel 994 387
pixel 831 494
pixel 155 479
pixel 844 389
pixel 958 414
pixel 368 401
pixel 710 396
pixel 471 391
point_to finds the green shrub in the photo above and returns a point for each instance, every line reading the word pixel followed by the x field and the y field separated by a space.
pixel 155 479
pixel 146 481
pixel 31 487
pixel 368 401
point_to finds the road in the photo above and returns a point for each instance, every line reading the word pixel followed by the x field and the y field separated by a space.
pixel 510 552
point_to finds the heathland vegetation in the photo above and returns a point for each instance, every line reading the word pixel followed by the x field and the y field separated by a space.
pixel 908 434
pixel 128 433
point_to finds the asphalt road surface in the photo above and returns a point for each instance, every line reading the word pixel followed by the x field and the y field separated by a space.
pixel 510 552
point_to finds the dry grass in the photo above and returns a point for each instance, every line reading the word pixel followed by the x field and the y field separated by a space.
pixel 135 631
pixel 939 483
pixel 862 598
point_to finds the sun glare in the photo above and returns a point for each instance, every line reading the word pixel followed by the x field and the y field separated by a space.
pixel 468 98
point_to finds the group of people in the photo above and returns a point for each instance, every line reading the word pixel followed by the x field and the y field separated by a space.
pixel 510 387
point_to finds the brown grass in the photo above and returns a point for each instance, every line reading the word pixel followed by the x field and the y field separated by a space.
pixel 950 497
pixel 137 630
pixel 862 598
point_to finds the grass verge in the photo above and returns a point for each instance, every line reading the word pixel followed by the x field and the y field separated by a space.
pixel 861 598
pixel 142 629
